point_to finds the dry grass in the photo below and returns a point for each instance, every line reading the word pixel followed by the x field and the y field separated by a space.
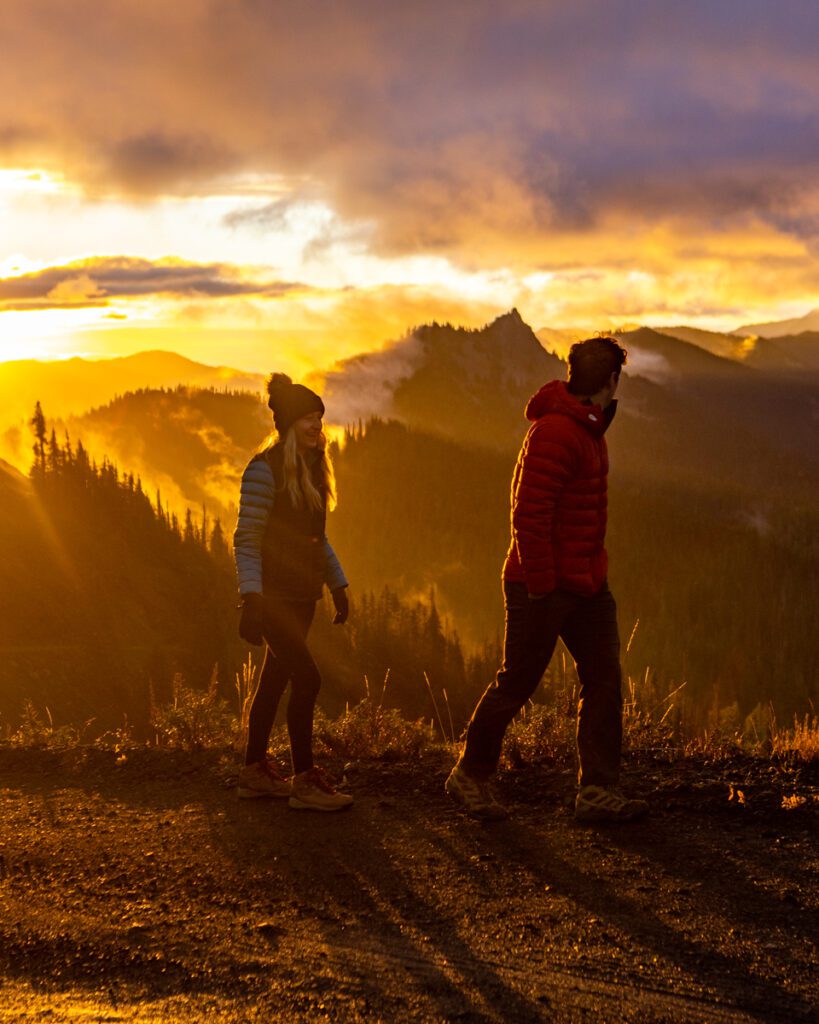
pixel 192 719
pixel 656 721
pixel 800 743
pixel 370 730
pixel 37 729
pixel 245 686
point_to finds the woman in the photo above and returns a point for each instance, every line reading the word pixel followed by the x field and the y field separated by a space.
pixel 283 559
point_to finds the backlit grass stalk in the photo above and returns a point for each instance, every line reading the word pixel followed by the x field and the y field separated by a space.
pixel 245 692
pixel 435 705
pixel 800 742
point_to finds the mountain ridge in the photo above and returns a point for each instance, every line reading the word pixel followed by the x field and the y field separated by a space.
pixel 778 328
pixel 661 357
pixel 467 383
pixel 73 386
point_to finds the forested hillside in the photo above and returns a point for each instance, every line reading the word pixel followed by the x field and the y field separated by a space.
pixel 107 594
pixel 726 600
pixel 714 519
pixel 192 443
pixel 104 592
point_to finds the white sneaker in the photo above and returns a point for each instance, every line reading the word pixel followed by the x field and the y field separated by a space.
pixel 474 795
pixel 607 803
pixel 312 791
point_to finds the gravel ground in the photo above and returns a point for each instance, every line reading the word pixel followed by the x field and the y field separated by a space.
pixel 143 890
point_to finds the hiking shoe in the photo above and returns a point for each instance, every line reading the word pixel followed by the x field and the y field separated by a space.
pixel 312 791
pixel 474 795
pixel 262 778
pixel 607 803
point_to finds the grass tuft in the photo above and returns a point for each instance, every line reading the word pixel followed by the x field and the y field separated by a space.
pixel 369 730
pixel 193 719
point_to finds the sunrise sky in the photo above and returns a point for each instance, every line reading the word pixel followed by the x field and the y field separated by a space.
pixel 252 182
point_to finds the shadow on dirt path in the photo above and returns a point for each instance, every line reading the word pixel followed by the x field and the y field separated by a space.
pixel 146 882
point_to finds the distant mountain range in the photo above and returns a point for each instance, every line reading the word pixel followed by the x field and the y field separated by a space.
pixel 787 346
pixel 785 353
pixel 694 401
pixel 664 358
pixel 728 346
pixel 684 409
pixel 68 387
pixel 438 376
pixel 780 328
pixel 690 405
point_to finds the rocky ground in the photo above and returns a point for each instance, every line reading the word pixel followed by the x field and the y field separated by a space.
pixel 141 889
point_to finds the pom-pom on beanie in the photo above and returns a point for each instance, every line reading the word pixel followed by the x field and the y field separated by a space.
pixel 290 401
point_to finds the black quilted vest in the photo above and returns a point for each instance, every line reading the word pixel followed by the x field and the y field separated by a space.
pixel 294 561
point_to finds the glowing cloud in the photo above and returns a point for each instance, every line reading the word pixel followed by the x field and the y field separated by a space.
pixel 587 162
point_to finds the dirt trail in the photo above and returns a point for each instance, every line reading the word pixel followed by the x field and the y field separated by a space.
pixel 144 891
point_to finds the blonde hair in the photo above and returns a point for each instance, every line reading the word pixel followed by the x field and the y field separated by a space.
pixel 298 480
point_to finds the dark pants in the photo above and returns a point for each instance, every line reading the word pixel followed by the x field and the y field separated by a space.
pixel 286 660
pixel 588 627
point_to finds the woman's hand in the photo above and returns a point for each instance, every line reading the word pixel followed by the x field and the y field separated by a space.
pixel 342 606
pixel 251 624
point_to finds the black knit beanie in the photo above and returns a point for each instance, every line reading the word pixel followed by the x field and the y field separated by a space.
pixel 290 401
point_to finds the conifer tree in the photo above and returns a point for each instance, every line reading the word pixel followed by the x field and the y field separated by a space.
pixel 38 426
pixel 189 531
pixel 218 543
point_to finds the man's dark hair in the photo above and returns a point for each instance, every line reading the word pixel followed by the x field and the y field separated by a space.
pixel 591 364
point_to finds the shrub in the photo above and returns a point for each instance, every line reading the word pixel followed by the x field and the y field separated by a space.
pixel 369 730
pixel 541 734
pixel 192 719
pixel 37 729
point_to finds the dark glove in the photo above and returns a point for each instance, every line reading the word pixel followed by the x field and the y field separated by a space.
pixel 251 624
pixel 342 606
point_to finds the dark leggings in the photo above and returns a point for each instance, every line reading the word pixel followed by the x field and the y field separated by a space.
pixel 286 660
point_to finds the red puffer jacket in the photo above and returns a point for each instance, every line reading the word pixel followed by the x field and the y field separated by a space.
pixel 559 495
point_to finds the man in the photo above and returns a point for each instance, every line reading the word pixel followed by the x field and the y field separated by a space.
pixel 554 581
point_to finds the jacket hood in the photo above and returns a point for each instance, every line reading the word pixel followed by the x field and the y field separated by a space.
pixel 555 398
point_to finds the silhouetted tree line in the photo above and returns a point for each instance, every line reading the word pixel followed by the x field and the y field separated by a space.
pixel 199 438
pixel 110 590
pixel 114 592
pixel 64 476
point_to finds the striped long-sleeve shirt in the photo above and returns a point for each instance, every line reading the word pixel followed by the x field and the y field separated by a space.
pixel 257 495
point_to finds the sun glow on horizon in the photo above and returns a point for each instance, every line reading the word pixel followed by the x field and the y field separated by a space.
pixel 318 290
pixel 26 181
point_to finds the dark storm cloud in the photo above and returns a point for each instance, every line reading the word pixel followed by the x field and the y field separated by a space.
pixel 155 161
pixel 95 282
pixel 447 126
